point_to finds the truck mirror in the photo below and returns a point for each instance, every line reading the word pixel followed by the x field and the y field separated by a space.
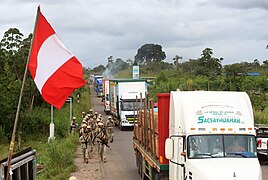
pixel 169 148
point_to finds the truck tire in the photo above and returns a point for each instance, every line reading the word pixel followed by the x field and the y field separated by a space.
pixel 137 161
pixel 121 127
pixel 156 175
pixel 139 164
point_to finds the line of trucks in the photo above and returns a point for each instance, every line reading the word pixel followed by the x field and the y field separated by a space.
pixel 192 135
pixel 119 98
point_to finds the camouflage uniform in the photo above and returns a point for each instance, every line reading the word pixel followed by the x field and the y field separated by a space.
pixel 97 132
pixel 83 114
pixel 110 128
pixel 84 140
pixel 90 143
pixel 103 138
pixel 73 125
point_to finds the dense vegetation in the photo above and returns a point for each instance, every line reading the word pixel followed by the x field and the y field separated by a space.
pixel 203 73
pixel 35 113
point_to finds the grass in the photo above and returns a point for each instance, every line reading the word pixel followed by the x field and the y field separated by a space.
pixel 59 162
pixel 261 117
pixel 57 157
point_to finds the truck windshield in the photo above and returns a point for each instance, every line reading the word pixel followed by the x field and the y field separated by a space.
pixel 130 105
pixel 221 146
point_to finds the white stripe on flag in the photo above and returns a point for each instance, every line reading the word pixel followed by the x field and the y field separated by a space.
pixel 51 56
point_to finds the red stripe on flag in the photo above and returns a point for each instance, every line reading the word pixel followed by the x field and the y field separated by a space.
pixel 42 32
pixel 63 82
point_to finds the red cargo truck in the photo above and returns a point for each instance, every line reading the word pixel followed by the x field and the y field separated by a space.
pixel 149 139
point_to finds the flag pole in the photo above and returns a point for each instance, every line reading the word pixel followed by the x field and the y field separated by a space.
pixel 19 103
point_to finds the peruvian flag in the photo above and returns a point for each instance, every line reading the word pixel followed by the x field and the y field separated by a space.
pixel 56 72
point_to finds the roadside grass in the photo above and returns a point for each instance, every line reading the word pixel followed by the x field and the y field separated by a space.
pixel 59 155
pixel 56 157
pixel 59 162
pixel 261 117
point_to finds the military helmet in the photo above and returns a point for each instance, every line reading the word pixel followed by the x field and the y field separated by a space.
pixel 84 121
pixel 100 124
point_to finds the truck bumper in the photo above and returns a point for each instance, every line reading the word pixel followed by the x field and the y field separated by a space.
pixel 262 151
pixel 127 123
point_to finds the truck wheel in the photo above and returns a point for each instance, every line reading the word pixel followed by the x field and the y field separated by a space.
pixel 121 127
pixel 139 164
pixel 141 168
pixel 137 160
pixel 156 176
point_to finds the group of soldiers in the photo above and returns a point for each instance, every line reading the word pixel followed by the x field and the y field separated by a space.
pixel 95 133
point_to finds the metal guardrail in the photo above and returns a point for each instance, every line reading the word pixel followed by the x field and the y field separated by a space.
pixel 23 166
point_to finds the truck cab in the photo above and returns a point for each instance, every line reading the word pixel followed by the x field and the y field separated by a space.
pixel 211 136
pixel 123 95
pixel 128 111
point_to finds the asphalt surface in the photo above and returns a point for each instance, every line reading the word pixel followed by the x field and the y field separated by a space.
pixel 264 168
pixel 121 163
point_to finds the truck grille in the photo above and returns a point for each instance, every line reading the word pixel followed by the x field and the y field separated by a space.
pixel 132 118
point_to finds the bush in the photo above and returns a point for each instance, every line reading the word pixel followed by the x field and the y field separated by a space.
pixel 260 117
pixel 34 122
pixel 59 156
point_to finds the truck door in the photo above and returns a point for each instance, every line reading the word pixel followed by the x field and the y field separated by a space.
pixel 181 158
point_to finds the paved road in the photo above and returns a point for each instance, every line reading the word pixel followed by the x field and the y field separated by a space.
pixel 264 171
pixel 121 163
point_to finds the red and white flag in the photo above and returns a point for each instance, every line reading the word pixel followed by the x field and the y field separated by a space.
pixel 56 72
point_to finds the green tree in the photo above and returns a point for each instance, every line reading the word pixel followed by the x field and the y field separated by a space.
pixel 99 69
pixel 149 53
pixel 11 41
pixel 176 59
pixel 235 74
pixel 208 65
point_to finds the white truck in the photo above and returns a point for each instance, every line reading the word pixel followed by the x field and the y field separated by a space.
pixel 262 142
pixel 123 93
pixel 201 135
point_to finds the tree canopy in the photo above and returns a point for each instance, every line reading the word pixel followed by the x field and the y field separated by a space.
pixel 149 53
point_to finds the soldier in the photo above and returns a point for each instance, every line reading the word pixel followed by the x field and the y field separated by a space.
pixel 103 138
pixel 97 133
pixel 81 129
pixel 90 112
pixel 84 140
pixel 100 117
pixel 90 143
pixel 110 128
pixel 78 97
pixel 83 114
pixel 96 115
pixel 73 125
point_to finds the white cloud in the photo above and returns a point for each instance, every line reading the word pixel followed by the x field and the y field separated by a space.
pixel 93 30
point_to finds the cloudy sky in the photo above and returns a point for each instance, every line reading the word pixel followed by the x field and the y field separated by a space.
pixel 93 30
